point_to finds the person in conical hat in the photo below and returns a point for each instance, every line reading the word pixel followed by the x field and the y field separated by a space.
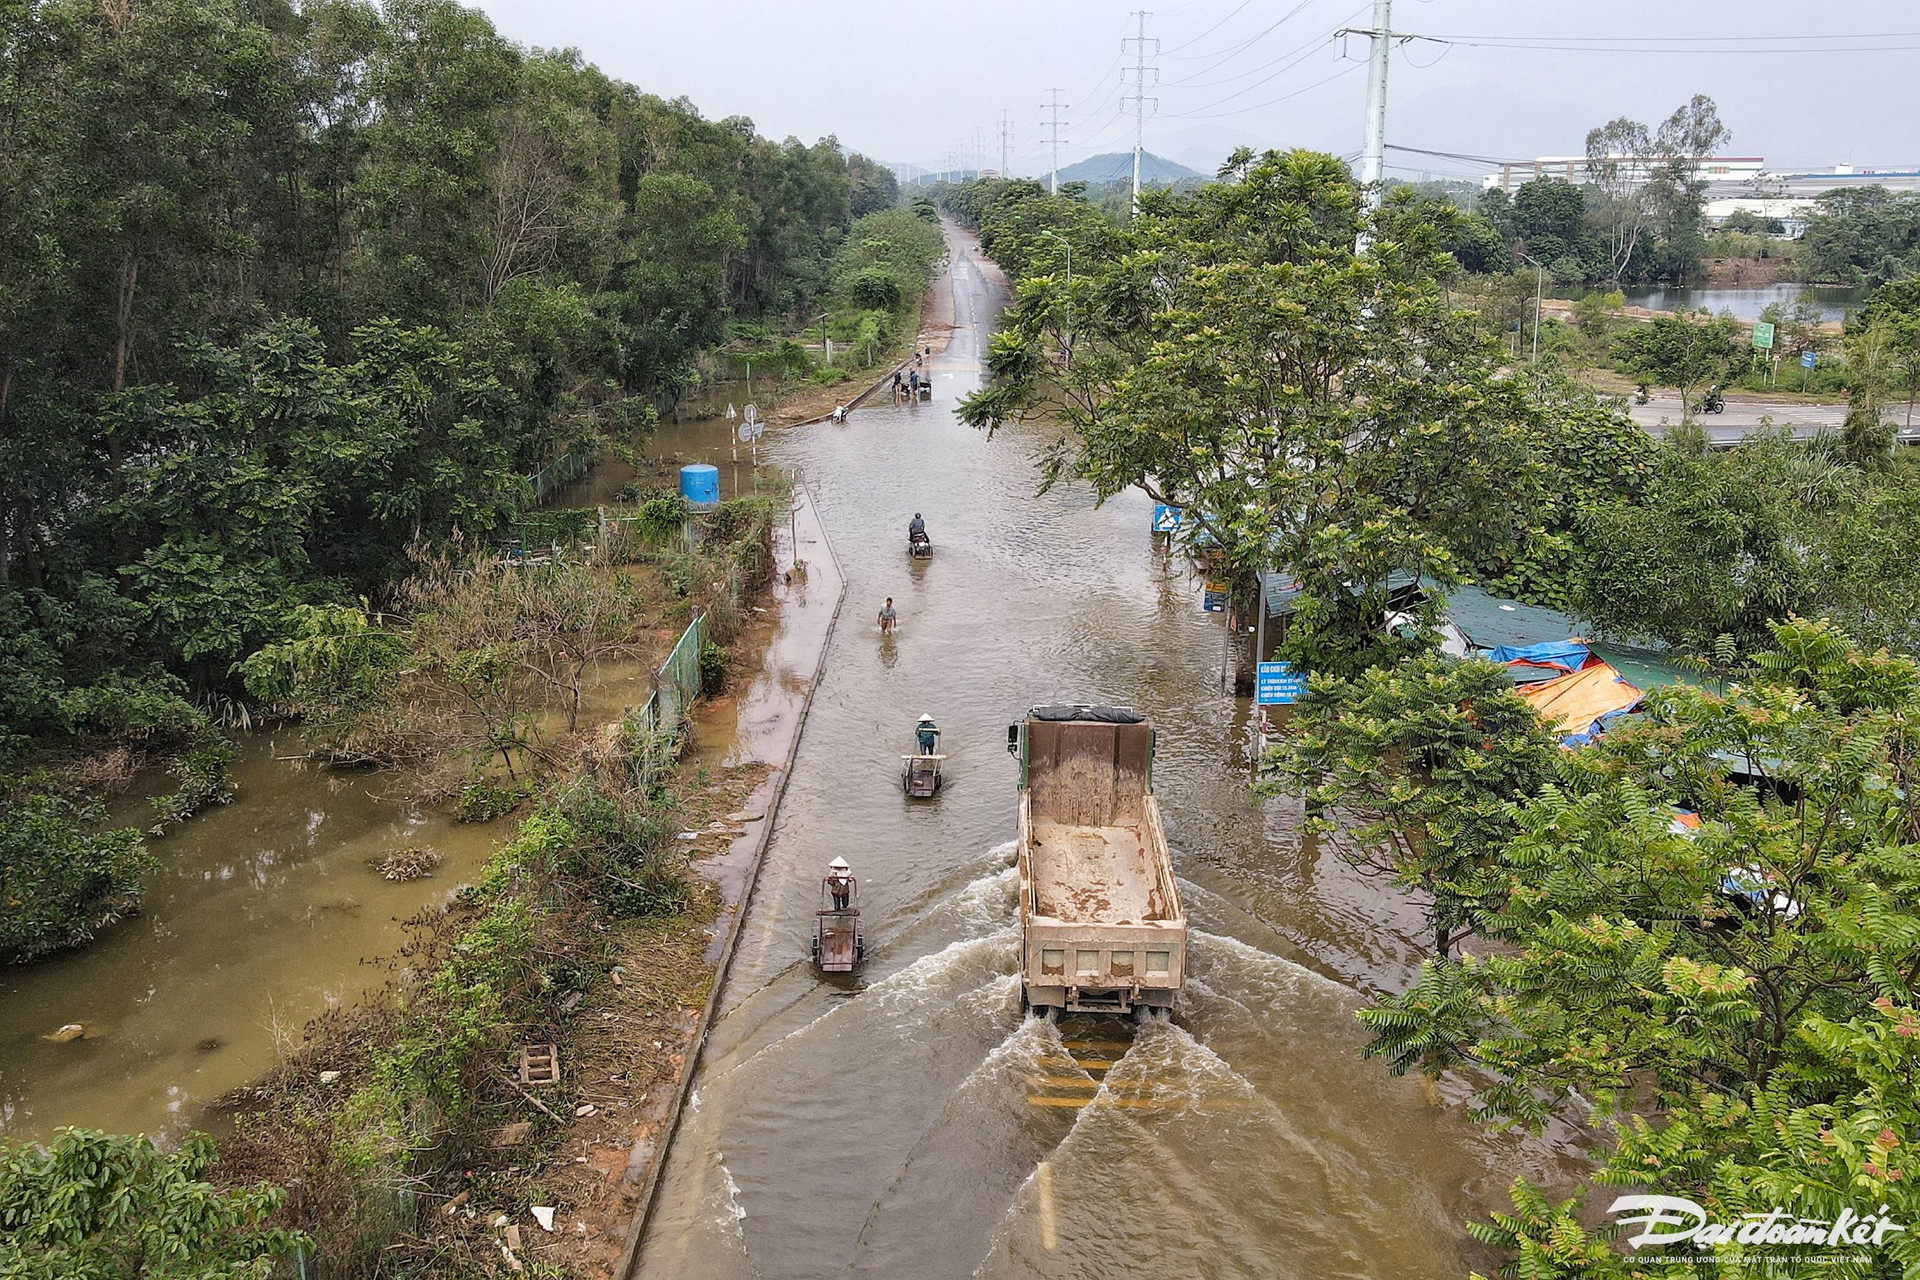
pixel 840 883
pixel 928 733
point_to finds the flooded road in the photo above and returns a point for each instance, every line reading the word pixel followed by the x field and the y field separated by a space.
pixel 913 1123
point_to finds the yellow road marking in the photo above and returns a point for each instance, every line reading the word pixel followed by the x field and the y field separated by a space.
pixel 1043 1181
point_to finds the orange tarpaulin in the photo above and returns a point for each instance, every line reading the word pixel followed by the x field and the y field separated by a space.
pixel 1571 703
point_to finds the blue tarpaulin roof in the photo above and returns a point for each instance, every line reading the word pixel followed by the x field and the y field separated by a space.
pixel 1491 623
pixel 1567 655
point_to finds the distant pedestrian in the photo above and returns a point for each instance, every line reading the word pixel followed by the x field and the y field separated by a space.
pixel 887 617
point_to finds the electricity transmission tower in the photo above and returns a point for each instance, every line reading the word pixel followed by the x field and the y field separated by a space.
pixel 1139 97
pixel 1053 127
pixel 1006 144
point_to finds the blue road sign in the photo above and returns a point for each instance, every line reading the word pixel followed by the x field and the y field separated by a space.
pixel 1213 602
pixel 1165 518
pixel 1277 683
pixel 1808 359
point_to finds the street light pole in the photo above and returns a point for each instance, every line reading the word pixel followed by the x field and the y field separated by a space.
pixel 1068 246
pixel 1539 281
pixel 825 355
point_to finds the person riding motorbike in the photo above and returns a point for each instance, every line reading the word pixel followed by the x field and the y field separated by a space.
pixel 916 528
pixel 1714 401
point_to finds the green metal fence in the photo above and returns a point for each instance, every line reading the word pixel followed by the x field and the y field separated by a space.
pixel 677 683
pixel 562 471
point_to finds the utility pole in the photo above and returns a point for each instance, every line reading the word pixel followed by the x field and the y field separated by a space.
pixel 1139 99
pixel 1053 128
pixel 1373 153
pixel 1539 290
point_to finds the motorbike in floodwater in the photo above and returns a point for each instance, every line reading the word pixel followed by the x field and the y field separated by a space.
pixel 919 546
pixel 839 943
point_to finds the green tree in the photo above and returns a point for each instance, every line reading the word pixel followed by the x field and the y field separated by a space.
pixel 1732 996
pixel 94 1206
pixel 1680 352
pixel 1862 235
pixel 1548 218
pixel 62 876
pixel 1718 544
pixel 1311 408
pixel 1421 762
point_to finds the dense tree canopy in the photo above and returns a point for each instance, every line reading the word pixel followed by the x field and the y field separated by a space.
pixel 287 287
pixel 295 285
pixel 1316 410
pixel 1729 998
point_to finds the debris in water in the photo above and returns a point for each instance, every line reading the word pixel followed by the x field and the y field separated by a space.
pixel 406 864
pixel 542 1214
pixel 71 1031
pixel 210 1044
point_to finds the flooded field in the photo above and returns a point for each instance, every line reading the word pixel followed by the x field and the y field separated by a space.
pixel 257 920
pixel 265 913
pixel 912 1122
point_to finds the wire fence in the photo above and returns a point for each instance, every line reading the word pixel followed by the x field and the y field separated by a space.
pixel 677 683
pixel 562 471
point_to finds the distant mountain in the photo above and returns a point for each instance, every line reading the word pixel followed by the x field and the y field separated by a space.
pixel 1117 166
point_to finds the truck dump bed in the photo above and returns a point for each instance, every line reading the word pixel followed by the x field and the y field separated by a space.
pixel 1100 913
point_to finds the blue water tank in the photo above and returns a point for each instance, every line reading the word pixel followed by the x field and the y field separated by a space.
pixel 700 484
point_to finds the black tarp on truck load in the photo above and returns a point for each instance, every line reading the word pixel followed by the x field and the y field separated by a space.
pixel 1098 715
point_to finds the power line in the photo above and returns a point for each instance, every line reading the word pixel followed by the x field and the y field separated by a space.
pixel 1708 45
pixel 1458 155
pixel 1799 35
pixel 1234 13
pixel 1347 70
pixel 1288 57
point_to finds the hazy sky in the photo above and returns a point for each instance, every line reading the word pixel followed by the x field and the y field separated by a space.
pixel 915 82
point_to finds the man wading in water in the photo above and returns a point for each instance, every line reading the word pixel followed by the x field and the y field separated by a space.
pixel 887 616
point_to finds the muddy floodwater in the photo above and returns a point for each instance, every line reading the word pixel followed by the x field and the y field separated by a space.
pixel 264 913
pixel 258 919
pixel 913 1122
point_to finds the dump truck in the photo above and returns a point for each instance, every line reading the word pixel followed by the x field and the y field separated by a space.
pixel 1101 928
